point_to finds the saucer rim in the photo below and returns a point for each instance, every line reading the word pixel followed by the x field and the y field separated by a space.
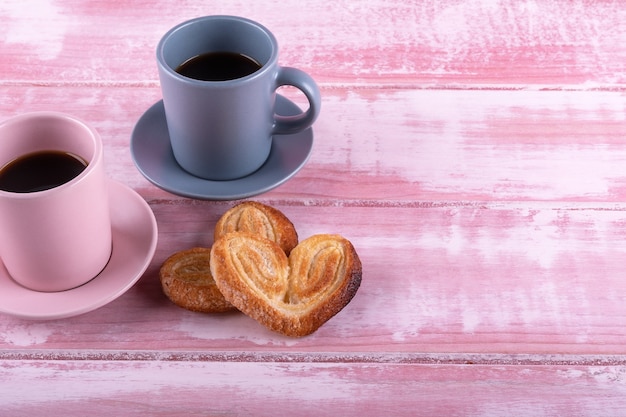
pixel 304 138
pixel 65 304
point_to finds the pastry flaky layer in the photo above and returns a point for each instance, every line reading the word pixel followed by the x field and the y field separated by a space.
pixel 186 277
pixel 187 281
pixel 258 219
pixel 292 295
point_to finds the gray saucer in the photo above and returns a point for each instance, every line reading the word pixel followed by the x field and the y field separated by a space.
pixel 152 154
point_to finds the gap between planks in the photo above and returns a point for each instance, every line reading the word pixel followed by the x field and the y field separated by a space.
pixel 570 205
pixel 398 358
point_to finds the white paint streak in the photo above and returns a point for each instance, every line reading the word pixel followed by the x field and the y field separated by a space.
pixel 529 249
pixel 26 334
pixel 505 144
pixel 230 326
pixel 36 24
pixel 30 383
pixel 471 319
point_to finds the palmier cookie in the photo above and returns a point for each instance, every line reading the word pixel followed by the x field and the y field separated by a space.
pixel 259 219
pixel 292 295
pixel 187 281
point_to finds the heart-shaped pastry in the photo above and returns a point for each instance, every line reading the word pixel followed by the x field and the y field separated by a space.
pixel 258 219
pixel 292 295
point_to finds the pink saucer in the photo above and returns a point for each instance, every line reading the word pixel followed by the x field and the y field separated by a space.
pixel 134 242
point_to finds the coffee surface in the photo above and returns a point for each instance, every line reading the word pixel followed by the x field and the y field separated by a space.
pixel 40 171
pixel 218 66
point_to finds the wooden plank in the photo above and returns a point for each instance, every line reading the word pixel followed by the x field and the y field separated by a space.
pixel 512 278
pixel 301 389
pixel 422 145
pixel 416 43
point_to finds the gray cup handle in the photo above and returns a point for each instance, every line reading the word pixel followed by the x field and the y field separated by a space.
pixel 306 84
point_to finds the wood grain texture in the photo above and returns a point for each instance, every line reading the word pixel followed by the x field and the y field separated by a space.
pixel 234 389
pixel 442 279
pixel 425 42
pixel 420 145
pixel 473 151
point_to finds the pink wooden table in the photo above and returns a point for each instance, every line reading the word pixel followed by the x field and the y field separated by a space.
pixel 473 151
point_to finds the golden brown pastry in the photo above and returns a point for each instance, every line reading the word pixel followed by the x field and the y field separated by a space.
pixel 258 219
pixel 187 281
pixel 292 295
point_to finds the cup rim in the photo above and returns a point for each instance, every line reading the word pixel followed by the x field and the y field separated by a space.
pixel 67 118
pixel 265 67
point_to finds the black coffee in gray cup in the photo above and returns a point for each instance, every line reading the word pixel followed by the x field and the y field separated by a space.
pixel 218 66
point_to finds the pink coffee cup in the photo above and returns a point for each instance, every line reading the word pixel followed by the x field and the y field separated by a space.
pixel 58 238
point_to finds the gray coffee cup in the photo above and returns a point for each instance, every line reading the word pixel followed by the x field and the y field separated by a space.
pixel 222 130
